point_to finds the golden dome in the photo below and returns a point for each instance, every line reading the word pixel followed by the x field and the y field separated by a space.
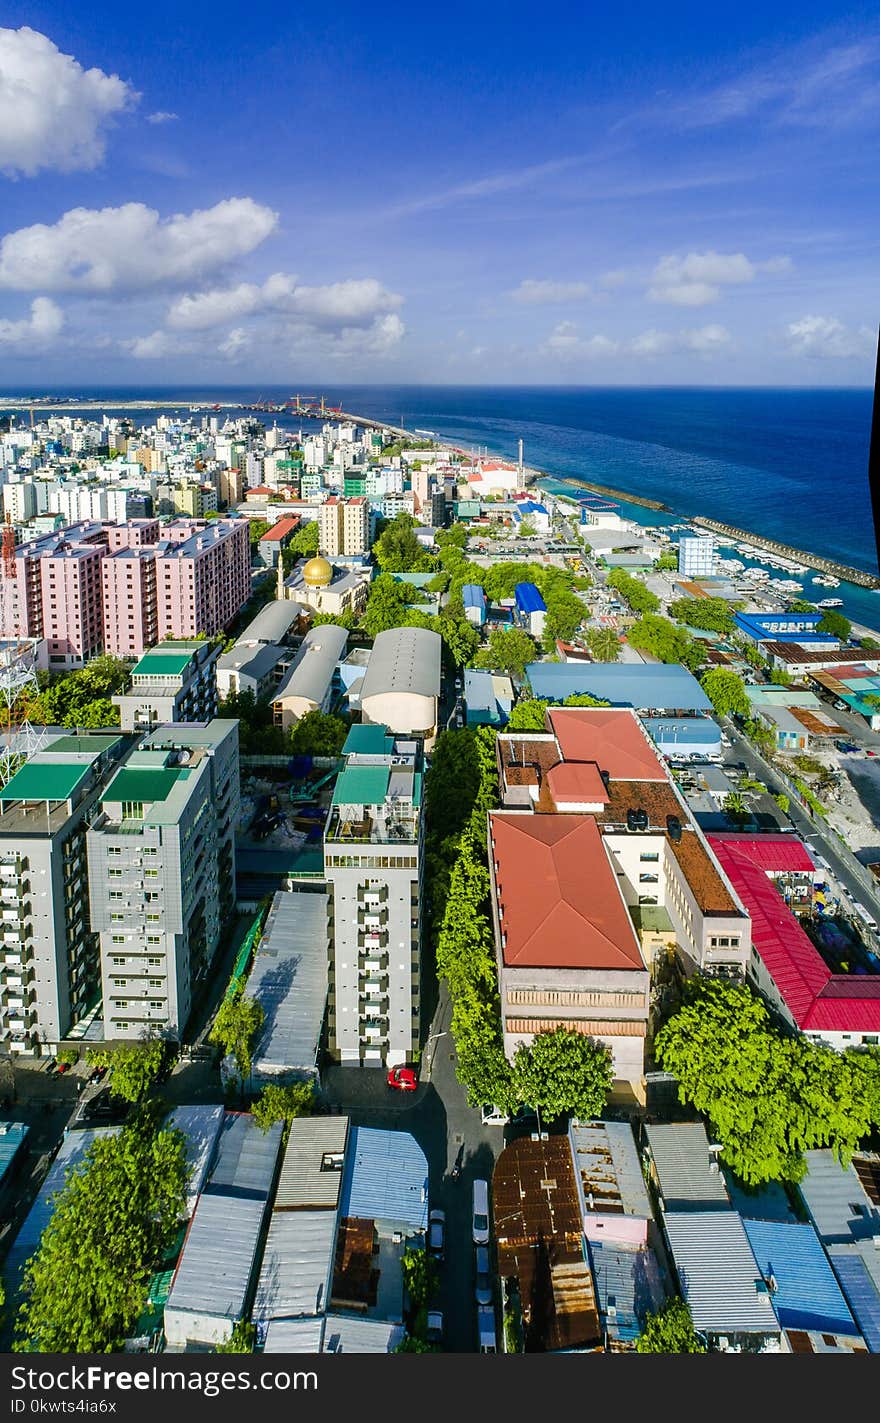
pixel 317 573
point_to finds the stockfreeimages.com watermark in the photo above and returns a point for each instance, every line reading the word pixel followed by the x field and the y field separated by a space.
pixel 96 1378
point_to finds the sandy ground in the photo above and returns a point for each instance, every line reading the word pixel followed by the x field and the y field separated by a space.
pixel 854 809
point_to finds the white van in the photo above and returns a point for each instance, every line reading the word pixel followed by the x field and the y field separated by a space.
pixel 480 1223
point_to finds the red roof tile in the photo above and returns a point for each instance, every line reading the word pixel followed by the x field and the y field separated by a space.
pixel 775 854
pixel 558 897
pixel 577 783
pixel 611 737
pixel 280 530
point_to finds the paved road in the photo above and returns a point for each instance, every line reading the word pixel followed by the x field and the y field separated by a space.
pixel 444 1125
pixel 809 827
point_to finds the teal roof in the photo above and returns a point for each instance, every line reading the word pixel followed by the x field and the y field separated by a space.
pixel 143 784
pixel 44 780
pixel 368 741
pixel 158 663
pixel 361 785
pixel 65 745
pixel 418 780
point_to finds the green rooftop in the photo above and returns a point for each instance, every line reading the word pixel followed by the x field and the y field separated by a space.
pixel 361 785
pixel 67 745
pixel 159 663
pixel 142 784
pixel 368 741
pixel 44 780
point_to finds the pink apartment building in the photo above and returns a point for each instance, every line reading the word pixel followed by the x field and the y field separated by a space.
pixel 130 607
pixel 202 581
pixel 73 623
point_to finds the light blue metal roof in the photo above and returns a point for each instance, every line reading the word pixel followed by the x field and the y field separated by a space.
pixel 12 1135
pixel 861 1293
pixel 645 686
pixel 478 691
pixel 528 599
pixel 472 596
pixel 807 1295
pixel 244 1167
pixel 683 730
pixel 386 1178
pixel 627 1281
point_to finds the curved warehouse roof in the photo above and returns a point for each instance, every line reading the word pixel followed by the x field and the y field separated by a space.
pixel 273 622
pixel 312 672
pixel 404 660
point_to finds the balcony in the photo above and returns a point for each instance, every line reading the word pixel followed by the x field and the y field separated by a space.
pixel 376 964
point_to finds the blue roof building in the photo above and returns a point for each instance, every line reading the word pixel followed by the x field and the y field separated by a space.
pixel 861 1292
pixel 385 1180
pixel 784 627
pixel 647 687
pixel 676 736
pixel 12 1138
pixel 528 599
pixel 807 1294
pixel 474 600
pixel 488 698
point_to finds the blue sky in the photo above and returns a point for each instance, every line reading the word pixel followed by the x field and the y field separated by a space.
pixel 559 194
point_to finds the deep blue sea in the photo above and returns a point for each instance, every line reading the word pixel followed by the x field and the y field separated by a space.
pixel 788 463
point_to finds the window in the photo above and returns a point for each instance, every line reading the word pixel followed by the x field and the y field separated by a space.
pixel 151 918
pixel 648 879
pixel 115 873
pixel 650 857
pixel 117 938
pixel 118 963
pixel 117 918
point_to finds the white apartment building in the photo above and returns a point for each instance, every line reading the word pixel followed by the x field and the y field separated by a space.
pixel 344 527
pixel 697 557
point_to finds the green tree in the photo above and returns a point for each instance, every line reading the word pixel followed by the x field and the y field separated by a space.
pixel 768 1097
pixel 411 1344
pixel 386 605
pixel 666 561
pixel 783 802
pixel 304 543
pixel 135 1066
pixel 397 550
pixel 508 650
pixel 318 734
pixel 238 1021
pixel 604 644
pixel 565 613
pixel 670 1331
pixel 662 639
pixel 563 1072
pixel 283 1103
pixel 256 529
pixel 709 614
pixel 257 733
pixel 460 637
pixel 116 1215
pixel 870 644
pixel 241 1340
pixel 528 715
pixel 583 699
pixel 726 691
pixel 81 698
pixel 633 591
pixel 835 624
pixel 420 1276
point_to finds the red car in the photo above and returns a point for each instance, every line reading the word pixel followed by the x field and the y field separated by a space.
pixel 403 1078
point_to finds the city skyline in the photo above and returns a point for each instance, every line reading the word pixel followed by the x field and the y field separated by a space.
pixel 449 200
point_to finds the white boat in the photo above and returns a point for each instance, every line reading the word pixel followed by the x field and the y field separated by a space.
pixel 830 603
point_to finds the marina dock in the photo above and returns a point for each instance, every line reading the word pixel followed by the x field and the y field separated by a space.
pixel 797 555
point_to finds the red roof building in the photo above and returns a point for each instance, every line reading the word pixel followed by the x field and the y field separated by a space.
pixel 841 1008
pixel 284 529
pixel 613 739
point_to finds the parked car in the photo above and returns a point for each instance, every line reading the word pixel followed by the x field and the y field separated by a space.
pixel 63 1067
pixel 486 1331
pixel 403 1079
pixel 483 1286
pixel 51 1065
pixel 437 1233
pixel 434 1330
pixel 480 1214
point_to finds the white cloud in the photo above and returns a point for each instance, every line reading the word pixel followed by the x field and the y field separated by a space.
pixel 161 116
pixel 566 342
pixel 825 336
pixel 131 248
pixel 53 113
pixel 148 348
pixel 703 339
pixel 548 293
pixel 354 303
pixel 236 344
pixel 36 331
pixel 487 187
pixel 697 279
pixel 377 339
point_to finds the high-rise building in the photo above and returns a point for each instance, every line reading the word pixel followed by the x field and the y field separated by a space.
pixel 51 967
pixel 161 863
pixel 73 623
pixel 129 602
pixel 344 527
pixel 204 579
pixel 696 556
pixel 173 682
pixel 373 864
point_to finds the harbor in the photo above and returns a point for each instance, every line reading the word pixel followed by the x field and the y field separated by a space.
pixel 781 550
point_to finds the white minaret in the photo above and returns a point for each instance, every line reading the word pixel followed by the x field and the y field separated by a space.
pixel 279 587
pixel 520 474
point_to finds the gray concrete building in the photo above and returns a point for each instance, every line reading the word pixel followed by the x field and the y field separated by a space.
pixel 373 859
pixel 161 864
pixel 49 961
pixel 174 681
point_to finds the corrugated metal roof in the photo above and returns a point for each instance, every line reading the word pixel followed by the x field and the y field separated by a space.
pixel 290 978
pixel 246 1158
pixel 353 1334
pixel 302 1183
pixel 774 854
pixel 386 1178
pixel 297 1265
pixel 217 1260
pixel 607 1168
pixel 836 1200
pixel 404 659
pixel 201 1127
pixel 718 1273
pixel 273 622
pixel 294 1336
pixel 473 596
pixel 12 1137
pixel 651 686
pixel 362 785
pixel 807 1295
pixel 312 672
pixel 861 1292
pixel 683 730
pixel 70 1155
pixel 628 1287
pixel 687 1182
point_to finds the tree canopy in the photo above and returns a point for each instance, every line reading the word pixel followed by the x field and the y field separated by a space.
pixel 81 698
pixel 256 529
pixel 114 1218
pixel 726 691
pixel 834 622
pixel 508 650
pixel 662 639
pixel 633 591
pixel 768 1097
pixel 562 1073
pixel 304 543
pixel 528 715
pixel 670 1331
pixel 604 644
pixel 238 1021
pixel 283 1103
pixel 386 605
pixel 135 1066
pixel 257 733
pixel 318 734
pixel 709 614
pixel 397 550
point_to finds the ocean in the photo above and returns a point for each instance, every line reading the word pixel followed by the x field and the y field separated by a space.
pixel 791 464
